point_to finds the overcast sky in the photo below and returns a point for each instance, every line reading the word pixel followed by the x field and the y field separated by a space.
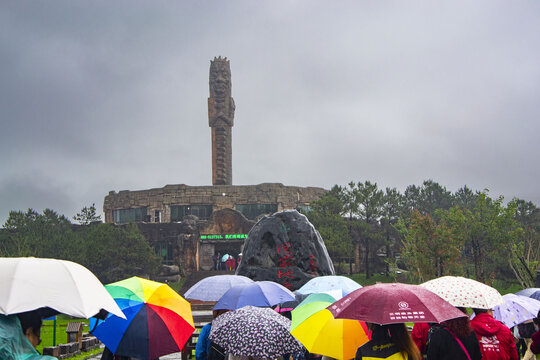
pixel 112 95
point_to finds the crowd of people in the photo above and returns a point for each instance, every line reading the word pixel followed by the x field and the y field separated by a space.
pixel 226 262
pixel 483 337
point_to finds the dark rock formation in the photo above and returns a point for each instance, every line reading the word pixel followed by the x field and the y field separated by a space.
pixel 285 248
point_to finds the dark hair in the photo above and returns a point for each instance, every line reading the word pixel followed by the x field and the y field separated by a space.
pixel 461 327
pixel 536 320
pixel 479 311
pixel 399 335
pixel 30 319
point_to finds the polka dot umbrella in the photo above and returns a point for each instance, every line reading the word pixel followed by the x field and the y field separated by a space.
pixel 464 292
pixel 256 332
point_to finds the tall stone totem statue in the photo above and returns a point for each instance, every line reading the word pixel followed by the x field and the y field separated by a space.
pixel 221 120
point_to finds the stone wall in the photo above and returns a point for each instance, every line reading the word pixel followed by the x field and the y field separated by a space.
pixel 220 196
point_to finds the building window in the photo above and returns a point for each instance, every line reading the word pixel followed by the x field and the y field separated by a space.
pixel 304 208
pixel 252 211
pixel 123 216
pixel 157 216
pixel 178 212
pixel 164 251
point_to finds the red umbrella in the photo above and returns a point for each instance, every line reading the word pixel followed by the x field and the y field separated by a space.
pixel 394 303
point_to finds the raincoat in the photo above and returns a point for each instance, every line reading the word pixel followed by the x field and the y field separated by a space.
pixel 495 339
pixel 13 343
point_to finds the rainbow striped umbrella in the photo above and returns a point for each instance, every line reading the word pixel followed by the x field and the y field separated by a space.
pixel 159 321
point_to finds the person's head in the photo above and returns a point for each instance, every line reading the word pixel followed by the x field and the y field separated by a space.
pixel 482 311
pixel 216 313
pixel 397 334
pixel 461 327
pixel 31 326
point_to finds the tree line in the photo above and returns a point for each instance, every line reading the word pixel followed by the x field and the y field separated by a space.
pixel 111 252
pixel 430 231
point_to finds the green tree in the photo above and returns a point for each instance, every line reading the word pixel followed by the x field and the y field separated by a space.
pixel 465 198
pixel 87 215
pixel 392 207
pixel 39 235
pixel 370 200
pixel 325 215
pixel 526 250
pixel 491 232
pixel 113 253
pixel 431 249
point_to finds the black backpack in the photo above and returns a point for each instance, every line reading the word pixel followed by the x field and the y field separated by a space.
pixel 526 330
pixel 216 352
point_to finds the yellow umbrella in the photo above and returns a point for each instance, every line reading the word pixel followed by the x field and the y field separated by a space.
pixel 318 330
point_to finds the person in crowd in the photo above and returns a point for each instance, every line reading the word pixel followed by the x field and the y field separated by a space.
pixel 419 335
pixel 535 343
pixel 215 259
pixel 203 343
pixel 20 335
pixel 218 263
pixel 495 339
pixel 519 341
pixel 525 332
pixel 389 340
pixel 453 340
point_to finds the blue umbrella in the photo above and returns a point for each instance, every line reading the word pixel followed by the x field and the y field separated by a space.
pixel 330 283
pixel 212 288
pixel 530 292
pixel 259 293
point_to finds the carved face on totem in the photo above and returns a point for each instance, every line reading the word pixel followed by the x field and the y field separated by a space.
pixel 220 79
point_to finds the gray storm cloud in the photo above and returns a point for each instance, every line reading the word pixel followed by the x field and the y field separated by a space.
pixel 98 96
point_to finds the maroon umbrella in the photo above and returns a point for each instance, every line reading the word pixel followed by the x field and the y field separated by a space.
pixel 394 303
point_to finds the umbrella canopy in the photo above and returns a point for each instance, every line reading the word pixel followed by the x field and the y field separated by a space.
pixel 394 303
pixel 159 321
pixel 463 292
pixel 322 284
pixel 258 293
pixel 516 309
pixel 323 297
pixel 225 257
pixel 530 292
pixel 65 287
pixel 315 327
pixel 212 288
pixel 253 331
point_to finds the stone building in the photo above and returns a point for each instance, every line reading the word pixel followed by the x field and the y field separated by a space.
pixel 189 225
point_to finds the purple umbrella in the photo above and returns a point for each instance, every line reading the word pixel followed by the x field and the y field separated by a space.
pixel 259 293
pixel 516 309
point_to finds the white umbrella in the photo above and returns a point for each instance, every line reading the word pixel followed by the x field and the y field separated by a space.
pixel 28 284
pixel 463 292
pixel 330 283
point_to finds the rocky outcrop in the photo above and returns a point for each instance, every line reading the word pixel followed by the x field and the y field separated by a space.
pixel 285 248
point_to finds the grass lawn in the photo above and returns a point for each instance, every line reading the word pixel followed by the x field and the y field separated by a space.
pixel 47 330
